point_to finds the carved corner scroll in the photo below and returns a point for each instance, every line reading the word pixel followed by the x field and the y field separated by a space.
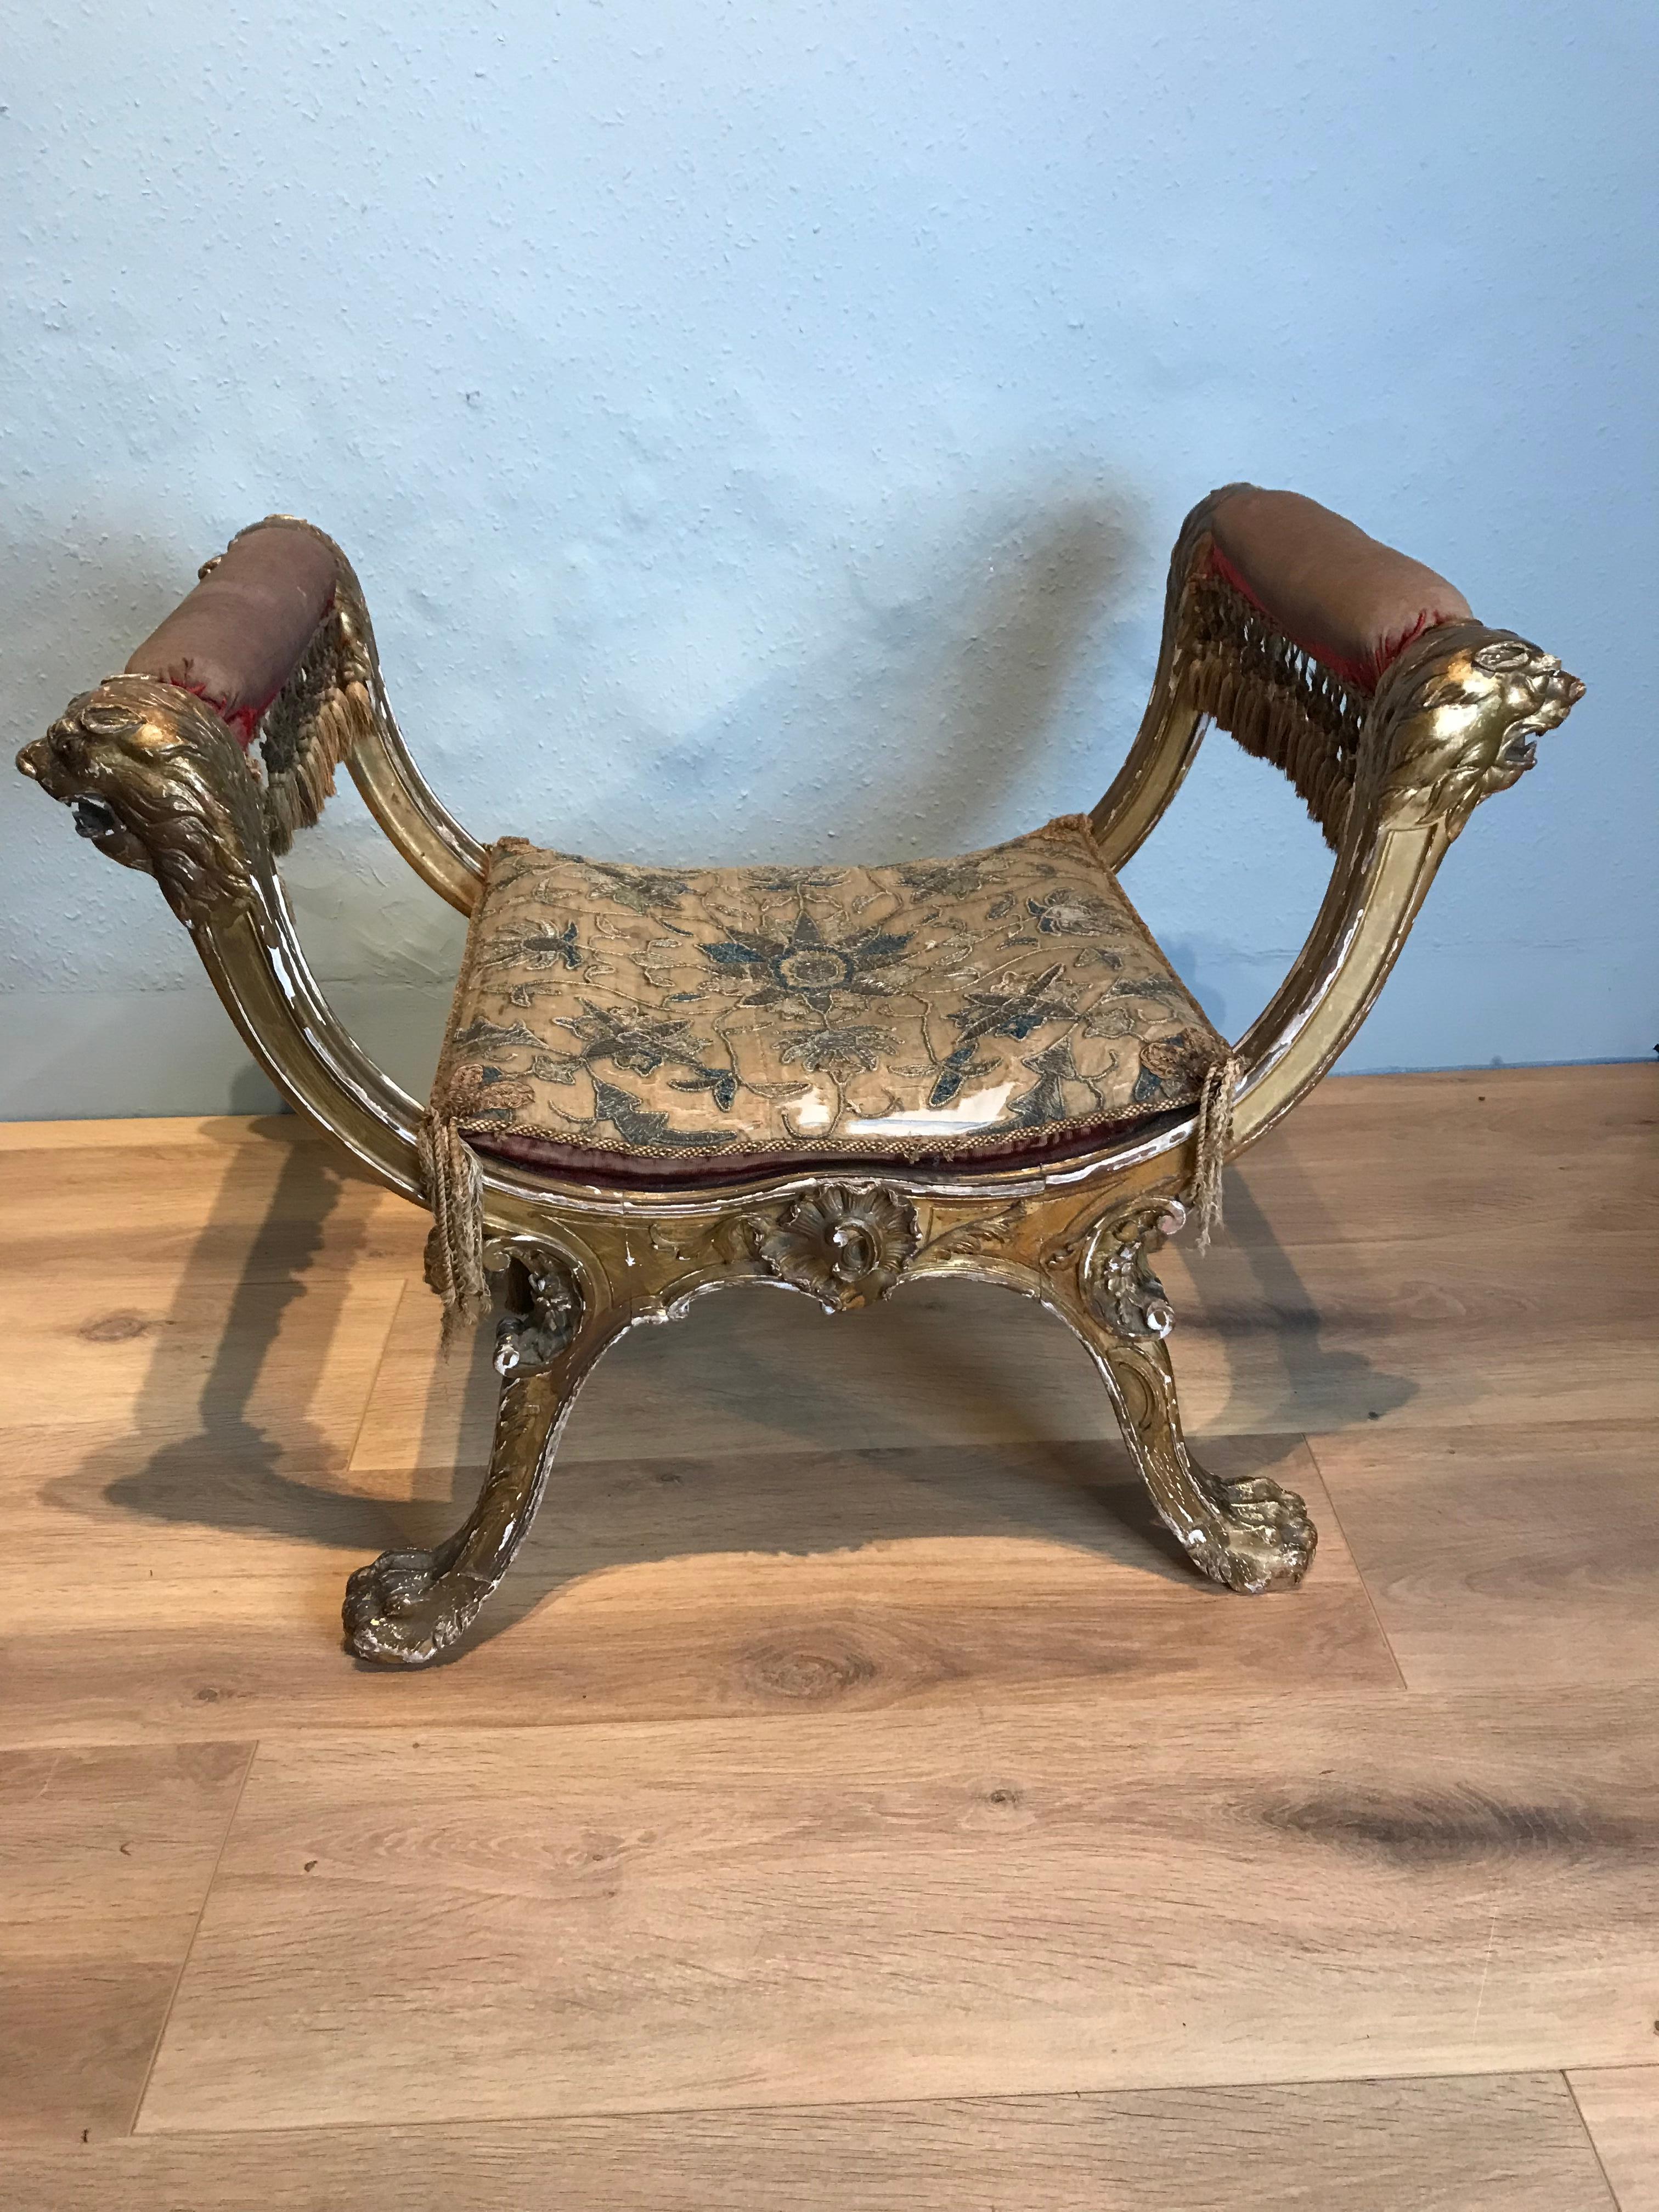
pixel 155 781
pixel 1116 1279
pixel 1113 1276
pixel 1457 720
pixel 544 1303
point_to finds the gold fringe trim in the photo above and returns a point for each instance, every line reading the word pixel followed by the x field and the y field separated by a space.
pixel 451 1184
pixel 1215 1130
pixel 320 714
pixel 327 706
pixel 1279 703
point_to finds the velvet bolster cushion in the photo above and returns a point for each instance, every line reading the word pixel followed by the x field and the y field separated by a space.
pixel 243 631
pixel 1352 602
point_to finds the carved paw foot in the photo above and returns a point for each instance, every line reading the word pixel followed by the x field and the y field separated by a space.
pixel 1257 1537
pixel 400 1612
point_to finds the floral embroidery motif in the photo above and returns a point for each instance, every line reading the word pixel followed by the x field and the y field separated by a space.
pixel 927 1009
pixel 806 965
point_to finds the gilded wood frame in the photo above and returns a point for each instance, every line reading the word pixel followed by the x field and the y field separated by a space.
pixel 156 782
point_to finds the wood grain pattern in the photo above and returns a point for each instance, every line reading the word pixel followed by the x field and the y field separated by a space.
pixel 657 1589
pixel 1621 2110
pixel 1507 1556
pixel 256 1199
pixel 1093 1893
pixel 1506 2143
pixel 105 1860
pixel 1568 1152
pixel 1460 1330
pixel 852 1800
pixel 282 1362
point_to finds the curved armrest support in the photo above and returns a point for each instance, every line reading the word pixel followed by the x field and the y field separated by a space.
pixel 157 781
pixel 1454 720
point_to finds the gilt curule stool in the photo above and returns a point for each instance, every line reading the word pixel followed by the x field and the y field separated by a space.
pixel 836 1080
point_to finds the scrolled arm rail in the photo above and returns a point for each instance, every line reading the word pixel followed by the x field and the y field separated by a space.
pixel 1455 721
pixel 1364 678
pixel 199 763
pixel 157 779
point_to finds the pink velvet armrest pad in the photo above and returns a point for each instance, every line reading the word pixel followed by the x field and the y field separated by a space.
pixel 1351 602
pixel 243 631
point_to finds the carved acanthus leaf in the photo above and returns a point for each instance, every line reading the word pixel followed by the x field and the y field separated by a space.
pixel 543 1302
pixel 1114 1274
pixel 974 1239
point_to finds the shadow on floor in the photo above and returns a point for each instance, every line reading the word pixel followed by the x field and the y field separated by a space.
pixel 230 1471
pixel 1248 1278
pixel 233 1471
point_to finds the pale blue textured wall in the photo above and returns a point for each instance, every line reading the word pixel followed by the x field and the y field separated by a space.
pixel 761 429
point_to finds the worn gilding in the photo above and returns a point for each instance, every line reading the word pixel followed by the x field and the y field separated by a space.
pixel 157 784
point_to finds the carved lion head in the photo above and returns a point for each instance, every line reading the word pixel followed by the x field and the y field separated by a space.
pixel 1463 713
pixel 155 781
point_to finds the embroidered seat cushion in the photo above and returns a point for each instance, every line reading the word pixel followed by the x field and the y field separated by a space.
pixel 612 1020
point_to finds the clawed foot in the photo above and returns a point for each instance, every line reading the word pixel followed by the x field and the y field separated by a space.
pixel 1256 1537
pixel 401 1612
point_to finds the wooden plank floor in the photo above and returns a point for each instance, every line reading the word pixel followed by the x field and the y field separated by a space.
pixel 851 1801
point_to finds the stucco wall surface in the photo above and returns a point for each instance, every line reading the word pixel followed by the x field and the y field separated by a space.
pixel 761 429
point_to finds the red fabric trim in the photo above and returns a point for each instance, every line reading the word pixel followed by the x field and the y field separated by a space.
pixel 1351 671
pixel 632 1169
pixel 1431 618
pixel 240 721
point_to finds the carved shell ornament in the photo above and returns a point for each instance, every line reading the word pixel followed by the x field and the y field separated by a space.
pixel 846 1245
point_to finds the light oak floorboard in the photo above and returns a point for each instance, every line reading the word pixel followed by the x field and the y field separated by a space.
pixel 186 1133
pixel 943 1776
pixel 1570 1152
pixel 1504 2143
pixel 662 1589
pixel 1500 1557
pixel 230 1200
pixel 1621 2110
pixel 104 1859
pixel 1091 1894
pixel 272 1364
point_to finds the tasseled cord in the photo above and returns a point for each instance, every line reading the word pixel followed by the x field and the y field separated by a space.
pixel 454 1189
pixel 1215 1130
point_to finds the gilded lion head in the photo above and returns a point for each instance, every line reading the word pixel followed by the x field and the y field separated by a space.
pixel 1461 716
pixel 155 781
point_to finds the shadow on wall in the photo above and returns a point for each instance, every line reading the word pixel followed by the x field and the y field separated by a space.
pixel 937 719
pixel 927 720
